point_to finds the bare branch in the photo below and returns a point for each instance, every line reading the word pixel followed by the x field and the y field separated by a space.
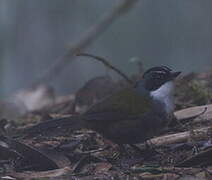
pixel 200 133
pixel 86 39
pixel 107 64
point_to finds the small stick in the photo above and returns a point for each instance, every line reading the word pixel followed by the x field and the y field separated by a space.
pixel 107 64
pixel 179 137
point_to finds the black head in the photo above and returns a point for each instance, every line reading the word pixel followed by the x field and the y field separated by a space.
pixel 157 76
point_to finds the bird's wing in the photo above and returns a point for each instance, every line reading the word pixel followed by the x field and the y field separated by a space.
pixel 126 102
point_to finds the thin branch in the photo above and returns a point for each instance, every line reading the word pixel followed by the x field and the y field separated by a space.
pixel 107 64
pixel 86 39
pixel 181 137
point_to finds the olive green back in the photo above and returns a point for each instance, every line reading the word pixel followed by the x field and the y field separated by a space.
pixel 127 101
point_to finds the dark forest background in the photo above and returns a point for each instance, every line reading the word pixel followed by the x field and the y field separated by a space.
pixel 33 34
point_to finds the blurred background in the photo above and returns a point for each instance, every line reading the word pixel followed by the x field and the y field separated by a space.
pixel 35 33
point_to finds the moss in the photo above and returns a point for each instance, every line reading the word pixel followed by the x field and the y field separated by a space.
pixel 200 93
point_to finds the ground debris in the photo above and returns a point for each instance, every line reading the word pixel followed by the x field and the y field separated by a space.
pixel 182 152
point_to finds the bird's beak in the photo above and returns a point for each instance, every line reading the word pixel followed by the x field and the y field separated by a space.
pixel 175 74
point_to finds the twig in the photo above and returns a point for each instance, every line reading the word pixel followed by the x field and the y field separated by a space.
pixel 201 159
pixel 107 64
pixel 200 133
pixel 95 151
pixel 86 39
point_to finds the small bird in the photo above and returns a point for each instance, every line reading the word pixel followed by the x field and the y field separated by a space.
pixel 131 115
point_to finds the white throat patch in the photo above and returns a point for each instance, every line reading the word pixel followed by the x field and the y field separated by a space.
pixel 164 94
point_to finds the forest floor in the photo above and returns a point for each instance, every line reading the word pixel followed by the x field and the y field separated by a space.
pixel 183 151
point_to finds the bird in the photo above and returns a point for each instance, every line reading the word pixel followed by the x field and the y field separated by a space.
pixel 130 116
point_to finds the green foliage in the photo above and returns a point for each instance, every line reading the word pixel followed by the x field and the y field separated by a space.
pixel 200 93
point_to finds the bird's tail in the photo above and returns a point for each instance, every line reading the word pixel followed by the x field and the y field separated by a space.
pixel 71 123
